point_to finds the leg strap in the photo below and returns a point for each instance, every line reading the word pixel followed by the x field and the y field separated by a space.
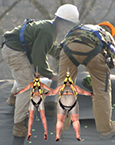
pixel 91 54
pixel 70 107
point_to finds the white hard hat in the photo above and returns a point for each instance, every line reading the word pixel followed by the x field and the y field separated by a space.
pixel 68 12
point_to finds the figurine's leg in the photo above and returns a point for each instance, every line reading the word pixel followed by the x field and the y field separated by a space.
pixel 44 122
pixel 75 119
pixel 76 125
pixel 59 125
pixel 31 117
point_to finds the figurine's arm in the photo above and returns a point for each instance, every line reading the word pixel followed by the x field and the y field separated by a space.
pixel 53 92
pixel 82 91
pixel 24 89
pixel 46 87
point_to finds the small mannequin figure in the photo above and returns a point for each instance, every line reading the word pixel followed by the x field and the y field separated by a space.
pixel 68 102
pixel 36 100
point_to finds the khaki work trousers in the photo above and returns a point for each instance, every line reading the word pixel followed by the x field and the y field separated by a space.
pixel 98 69
pixel 22 72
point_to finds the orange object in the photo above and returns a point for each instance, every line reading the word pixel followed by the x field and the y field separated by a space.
pixel 112 28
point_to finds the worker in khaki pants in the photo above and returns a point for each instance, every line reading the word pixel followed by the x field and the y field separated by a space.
pixel 22 77
pixel 38 38
pixel 82 40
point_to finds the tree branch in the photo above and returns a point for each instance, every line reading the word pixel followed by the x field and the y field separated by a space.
pixel 91 7
pixel 83 8
pixel 62 2
pixel 108 9
pixel 41 9
pixel 9 8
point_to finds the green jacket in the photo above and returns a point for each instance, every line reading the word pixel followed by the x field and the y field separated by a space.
pixel 40 37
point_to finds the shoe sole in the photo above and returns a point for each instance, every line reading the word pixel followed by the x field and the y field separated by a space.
pixel 106 137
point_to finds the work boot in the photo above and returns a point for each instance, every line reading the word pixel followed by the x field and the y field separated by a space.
pixel 20 129
pixel 108 135
pixel 11 100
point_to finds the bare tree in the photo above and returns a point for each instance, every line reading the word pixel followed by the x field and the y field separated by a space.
pixel 83 8
pixel 62 2
pixel 89 10
pixel 41 9
pixel 9 8
pixel 109 9
pixel 5 2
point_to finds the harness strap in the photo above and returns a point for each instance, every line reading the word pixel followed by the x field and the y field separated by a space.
pixel 71 84
pixel 96 32
pixel 70 107
pixel 36 82
pixel 68 53
pixel 22 38
pixel 75 93
pixel 75 52
pixel 91 54
pixel 36 106
pixel 36 85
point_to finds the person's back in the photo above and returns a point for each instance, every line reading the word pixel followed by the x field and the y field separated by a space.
pixel 92 48
pixel 33 32
pixel 79 42
pixel 27 47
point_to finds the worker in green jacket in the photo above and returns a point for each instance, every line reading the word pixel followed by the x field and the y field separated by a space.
pixel 27 47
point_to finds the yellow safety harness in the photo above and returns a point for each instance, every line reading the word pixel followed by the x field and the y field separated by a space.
pixel 71 84
pixel 74 93
pixel 36 86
